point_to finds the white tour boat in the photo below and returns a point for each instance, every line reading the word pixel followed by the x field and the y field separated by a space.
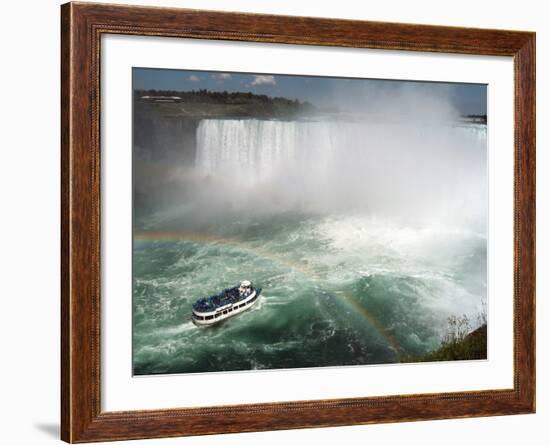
pixel 232 301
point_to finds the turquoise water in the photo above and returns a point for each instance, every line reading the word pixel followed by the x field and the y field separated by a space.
pixel 345 290
pixel 365 238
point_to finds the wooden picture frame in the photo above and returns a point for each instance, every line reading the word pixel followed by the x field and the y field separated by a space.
pixel 82 25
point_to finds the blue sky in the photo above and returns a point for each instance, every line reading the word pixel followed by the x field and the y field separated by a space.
pixel 320 91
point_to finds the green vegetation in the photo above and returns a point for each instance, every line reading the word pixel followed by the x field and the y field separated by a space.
pixel 460 343
pixel 204 103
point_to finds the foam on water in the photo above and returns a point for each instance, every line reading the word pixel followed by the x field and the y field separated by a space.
pixel 347 290
pixel 353 284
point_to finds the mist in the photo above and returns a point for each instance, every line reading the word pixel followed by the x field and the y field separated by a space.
pixel 408 158
pixel 364 222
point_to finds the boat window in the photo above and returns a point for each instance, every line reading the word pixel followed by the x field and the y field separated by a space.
pixel 209 317
pixel 217 315
pixel 230 309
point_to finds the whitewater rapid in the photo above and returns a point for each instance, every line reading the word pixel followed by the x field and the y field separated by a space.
pixel 303 209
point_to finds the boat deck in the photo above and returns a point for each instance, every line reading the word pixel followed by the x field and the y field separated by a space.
pixel 227 296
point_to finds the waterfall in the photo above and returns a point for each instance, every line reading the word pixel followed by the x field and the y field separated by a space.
pixel 262 148
pixel 328 164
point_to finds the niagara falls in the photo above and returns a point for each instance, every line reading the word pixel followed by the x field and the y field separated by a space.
pixel 365 226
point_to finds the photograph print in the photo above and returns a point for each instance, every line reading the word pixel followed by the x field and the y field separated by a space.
pixel 291 221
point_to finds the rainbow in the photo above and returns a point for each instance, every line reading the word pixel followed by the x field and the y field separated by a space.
pixel 304 270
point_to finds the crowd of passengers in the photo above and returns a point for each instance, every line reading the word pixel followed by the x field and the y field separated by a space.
pixel 226 297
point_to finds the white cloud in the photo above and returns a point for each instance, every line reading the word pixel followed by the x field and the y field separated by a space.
pixel 220 77
pixel 194 78
pixel 264 80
